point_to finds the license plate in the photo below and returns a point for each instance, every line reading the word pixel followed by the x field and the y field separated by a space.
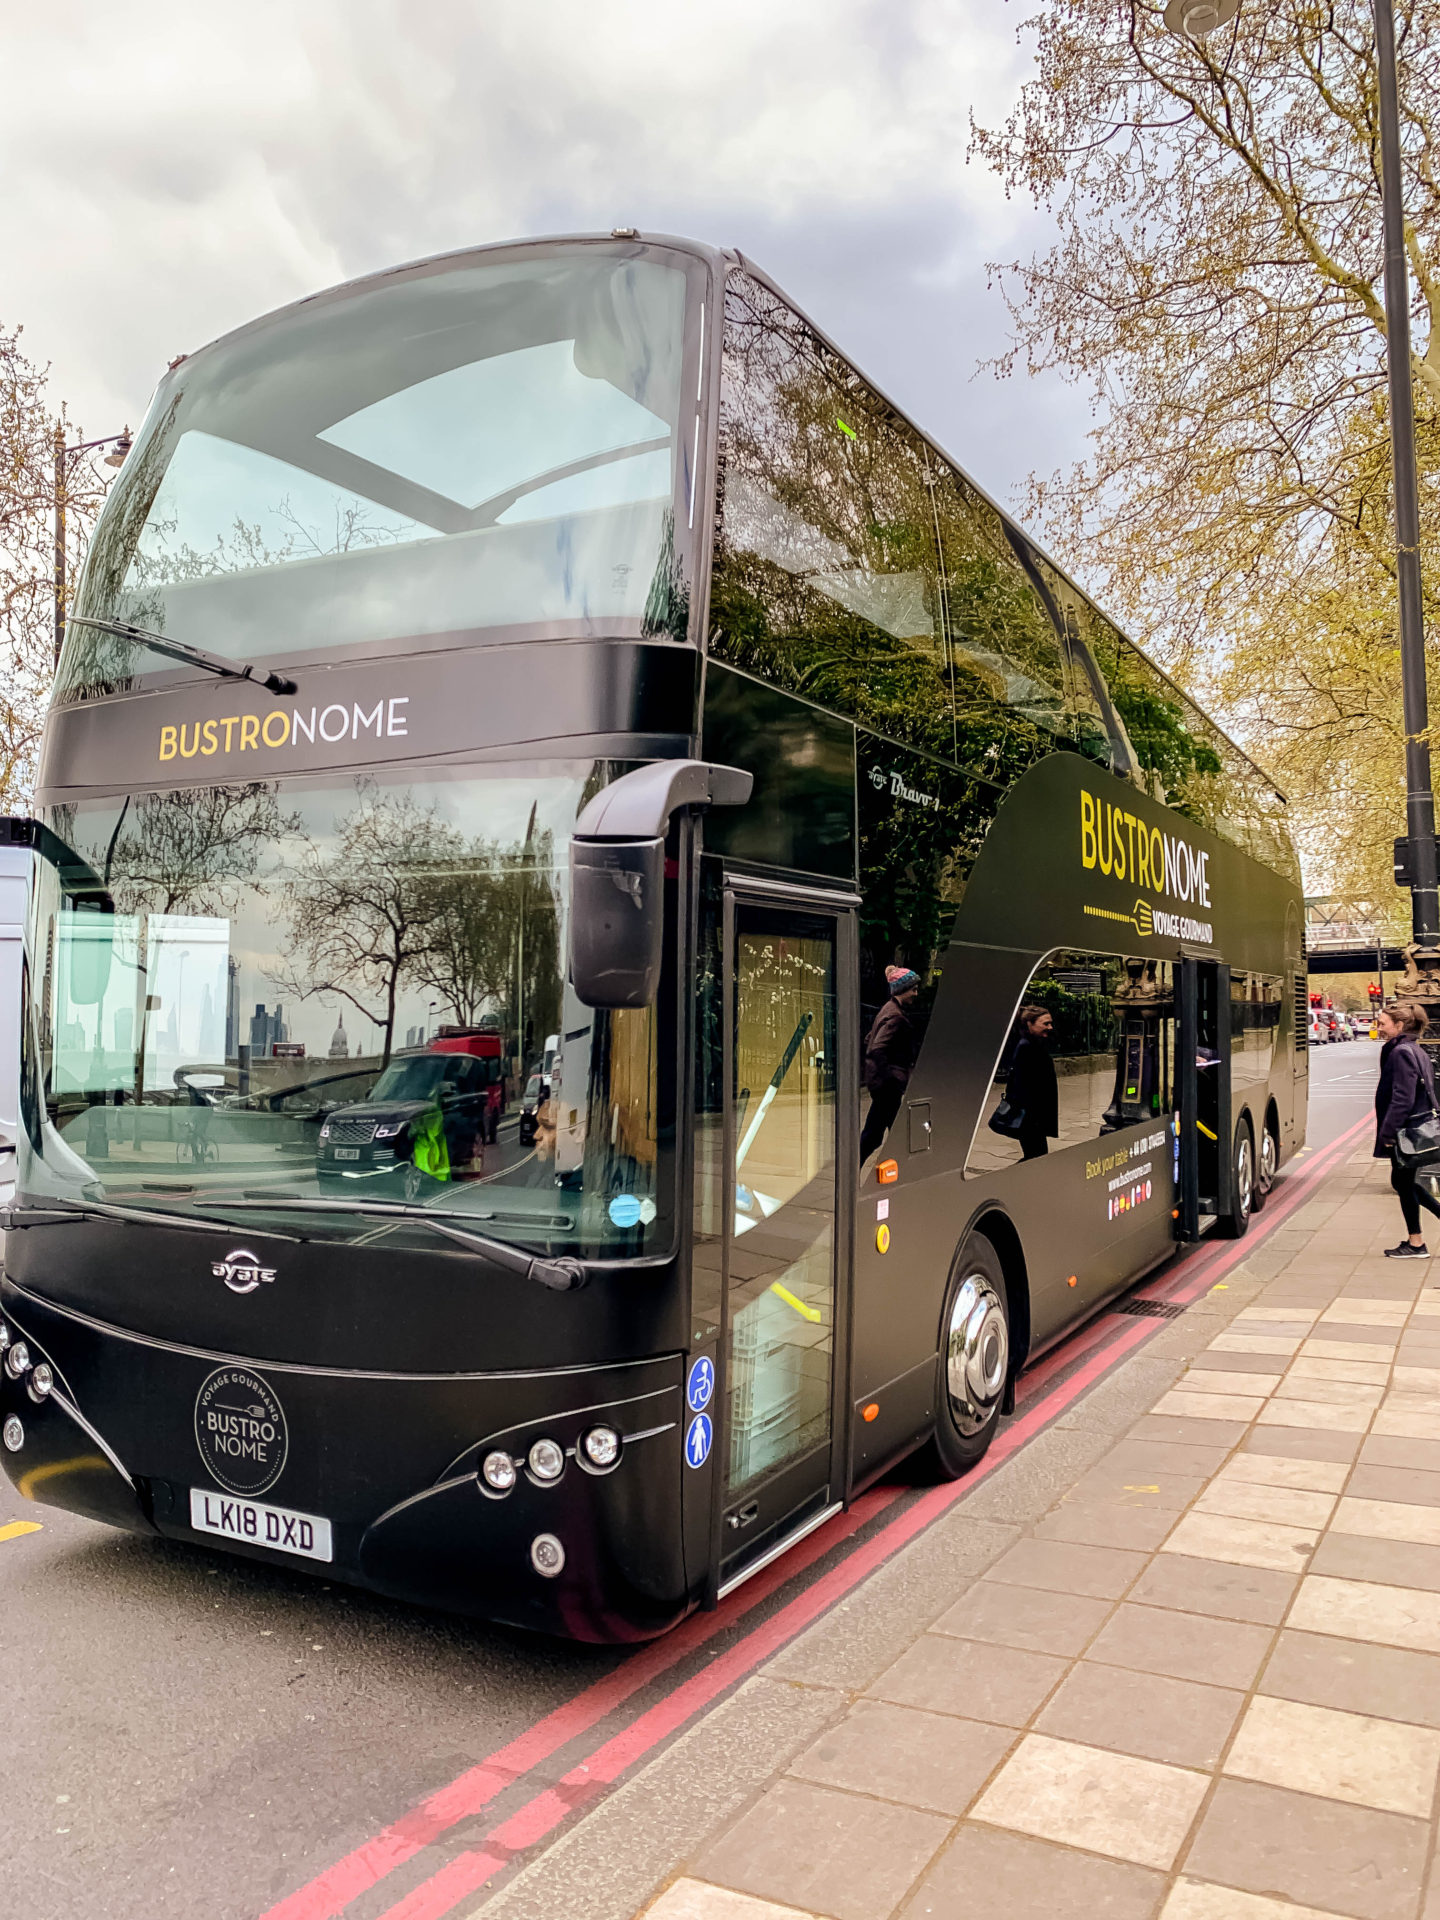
pixel 260 1525
pixel 347 1153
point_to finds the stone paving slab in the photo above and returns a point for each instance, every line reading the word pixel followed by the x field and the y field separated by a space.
pixel 1200 1680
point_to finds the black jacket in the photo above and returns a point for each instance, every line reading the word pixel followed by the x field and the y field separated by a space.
pixel 1407 1087
pixel 1032 1087
pixel 890 1047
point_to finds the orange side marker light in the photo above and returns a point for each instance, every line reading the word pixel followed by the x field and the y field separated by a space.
pixel 872 1412
pixel 888 1172
pixel 1073 1281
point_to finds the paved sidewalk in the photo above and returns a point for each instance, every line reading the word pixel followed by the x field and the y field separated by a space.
pixel 1204 1685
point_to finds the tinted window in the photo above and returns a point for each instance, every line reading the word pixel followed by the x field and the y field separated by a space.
pixel 825 570
pixel 921 826
pixel 802 810
pixel 1104 1061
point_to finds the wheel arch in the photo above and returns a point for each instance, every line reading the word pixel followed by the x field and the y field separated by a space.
pixel 999 1229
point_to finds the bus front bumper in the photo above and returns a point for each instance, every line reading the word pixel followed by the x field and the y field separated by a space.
pixel 375 1479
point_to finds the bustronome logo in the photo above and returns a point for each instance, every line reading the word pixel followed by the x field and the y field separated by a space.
pixel 1116 842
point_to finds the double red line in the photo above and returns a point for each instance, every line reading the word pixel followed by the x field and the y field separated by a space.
pixel 1052 1386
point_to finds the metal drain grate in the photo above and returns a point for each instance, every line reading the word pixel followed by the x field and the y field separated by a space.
pixel 1151 1309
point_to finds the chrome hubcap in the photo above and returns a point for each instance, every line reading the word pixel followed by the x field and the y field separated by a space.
pixel 1244 1174
pixel 977 1353
pixel 1267 1160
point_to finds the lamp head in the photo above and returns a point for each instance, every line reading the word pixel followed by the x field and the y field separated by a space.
pixel 116 456
pixel 1195 18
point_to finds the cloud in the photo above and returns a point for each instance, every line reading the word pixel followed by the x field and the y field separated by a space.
pixel 214 161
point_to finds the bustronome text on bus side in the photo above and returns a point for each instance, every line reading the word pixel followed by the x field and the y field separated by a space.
pixel 339 721
pixel 1120 844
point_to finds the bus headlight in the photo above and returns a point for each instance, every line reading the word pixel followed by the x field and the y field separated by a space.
pixel 40 1382
pixel 17 1360
pixel 14 1433
pixel 547 1460
pixel 601 1447
pixel 497 1470
pixel 4 1335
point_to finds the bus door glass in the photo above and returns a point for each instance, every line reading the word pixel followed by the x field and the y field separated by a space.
pixel 1205 1122
pixel 783 1141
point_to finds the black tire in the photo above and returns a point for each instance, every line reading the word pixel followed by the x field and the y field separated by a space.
pixel 1267 1164
pixel 1235 1221
pixel 965 1420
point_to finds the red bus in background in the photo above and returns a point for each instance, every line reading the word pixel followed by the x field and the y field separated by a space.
pixel 482 1043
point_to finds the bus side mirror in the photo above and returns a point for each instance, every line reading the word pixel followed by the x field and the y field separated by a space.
pixel 617 905
pixel 617 875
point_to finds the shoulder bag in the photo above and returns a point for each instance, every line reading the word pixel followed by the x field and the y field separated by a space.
pixel 1009 1120
pixel 1417 1143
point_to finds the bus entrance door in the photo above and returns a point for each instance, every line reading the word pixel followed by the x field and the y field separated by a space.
pixel 779 1343
pixel 1204 1074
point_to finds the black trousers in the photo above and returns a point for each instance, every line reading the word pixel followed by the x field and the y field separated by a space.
pixel 1412 1197
pixel 884 1105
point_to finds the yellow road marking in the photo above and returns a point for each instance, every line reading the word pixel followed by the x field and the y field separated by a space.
pixel 17 1527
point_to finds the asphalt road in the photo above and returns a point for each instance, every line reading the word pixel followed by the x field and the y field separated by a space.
pixel 190 1735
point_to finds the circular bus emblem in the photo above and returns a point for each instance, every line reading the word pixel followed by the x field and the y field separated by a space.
pixel 240 1431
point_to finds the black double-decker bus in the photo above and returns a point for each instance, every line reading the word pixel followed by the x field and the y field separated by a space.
pixel 612 950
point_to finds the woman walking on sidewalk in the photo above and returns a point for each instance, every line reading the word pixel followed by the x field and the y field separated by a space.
pixel 1406 1089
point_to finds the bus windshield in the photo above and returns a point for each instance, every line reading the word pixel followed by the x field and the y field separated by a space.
pixel 453 448
pixel 337 992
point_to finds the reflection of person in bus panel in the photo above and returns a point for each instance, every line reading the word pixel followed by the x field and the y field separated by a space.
pixel 890 1048
pixel 1031 1087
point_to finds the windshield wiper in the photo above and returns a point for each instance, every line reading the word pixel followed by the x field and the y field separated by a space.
pixel 36 1216
pixel 182 650
pixel 561 1276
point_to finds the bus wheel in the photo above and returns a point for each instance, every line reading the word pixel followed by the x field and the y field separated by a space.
pixel 1267 1167
pixel 974 1362
pixel 1236 1219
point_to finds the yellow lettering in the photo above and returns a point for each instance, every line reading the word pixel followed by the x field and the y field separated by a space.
pixel 211 743
pixel 1105 848
pixel 1130 825
pixel 1117 840
pixel 284 733
pixel 167 743
pixel 1157 859
pixel 1142 872
pixel 229 726
pixel 249 731
pixel 189 753
pixel 1087 829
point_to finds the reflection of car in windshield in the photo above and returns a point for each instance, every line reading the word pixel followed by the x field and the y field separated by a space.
pixel 424 1121
pixel 537 1092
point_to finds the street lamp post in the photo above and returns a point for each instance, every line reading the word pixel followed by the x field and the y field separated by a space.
pixel 1196 18
pixel 1424 956
pixel 119 444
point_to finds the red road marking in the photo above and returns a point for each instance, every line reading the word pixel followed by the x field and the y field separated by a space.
pixel 327 1896
pixel 332 1891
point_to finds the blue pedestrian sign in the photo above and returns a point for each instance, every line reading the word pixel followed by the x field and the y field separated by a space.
pixel 701 1384
pixel 697 1441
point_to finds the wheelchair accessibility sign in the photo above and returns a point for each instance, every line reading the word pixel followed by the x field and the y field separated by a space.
pixel 700 1385
pixel 697 1440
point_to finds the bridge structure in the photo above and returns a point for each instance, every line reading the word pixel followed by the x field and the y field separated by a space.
pixel 1350 933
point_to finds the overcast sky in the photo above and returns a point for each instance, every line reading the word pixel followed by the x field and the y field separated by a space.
pixel 172 170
